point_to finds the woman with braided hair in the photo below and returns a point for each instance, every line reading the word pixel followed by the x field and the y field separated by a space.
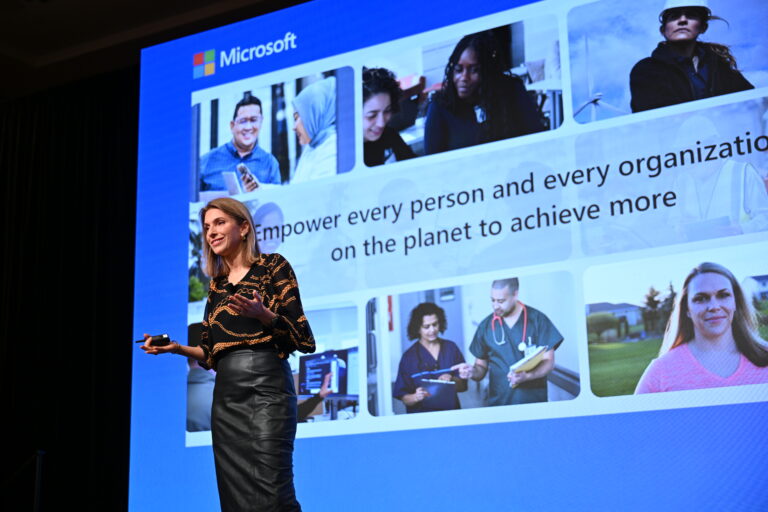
pixel 480 101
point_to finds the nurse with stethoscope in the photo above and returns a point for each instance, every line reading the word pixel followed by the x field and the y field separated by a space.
pixel 526 345
pixel 506 336
pixel 501 316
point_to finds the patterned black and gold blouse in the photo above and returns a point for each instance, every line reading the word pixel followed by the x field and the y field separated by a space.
pixel 272 276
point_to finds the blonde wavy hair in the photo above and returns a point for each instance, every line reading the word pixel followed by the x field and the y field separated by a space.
pixel 213 265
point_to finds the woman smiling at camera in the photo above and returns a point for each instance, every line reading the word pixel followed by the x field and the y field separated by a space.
pixel 480 101
pixel 253 320
pixel 682 68
pixel 711 339
pixel 381 95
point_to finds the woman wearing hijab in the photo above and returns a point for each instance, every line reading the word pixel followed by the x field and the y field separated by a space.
pixel 314 119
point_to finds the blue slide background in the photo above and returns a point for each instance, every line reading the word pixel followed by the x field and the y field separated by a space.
pixel 707 458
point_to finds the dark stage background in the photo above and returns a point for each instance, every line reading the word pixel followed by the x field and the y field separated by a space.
pixel 69 103
pixel 68 161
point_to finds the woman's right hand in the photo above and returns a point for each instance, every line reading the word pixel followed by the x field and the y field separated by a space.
pixel 414 398
pixel 420 394
pixel 171 348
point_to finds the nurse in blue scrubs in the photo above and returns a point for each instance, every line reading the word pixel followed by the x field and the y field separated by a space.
pixel 428 354
pixel 502 339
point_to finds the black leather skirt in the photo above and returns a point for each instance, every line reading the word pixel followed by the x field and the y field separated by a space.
pixel 253 428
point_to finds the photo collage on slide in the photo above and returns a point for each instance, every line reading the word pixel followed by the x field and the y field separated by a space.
pixel 491 221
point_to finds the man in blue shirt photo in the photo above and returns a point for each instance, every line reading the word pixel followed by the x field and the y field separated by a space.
pixel 242 156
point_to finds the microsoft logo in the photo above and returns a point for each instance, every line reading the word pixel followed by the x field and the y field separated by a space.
pixel 204 64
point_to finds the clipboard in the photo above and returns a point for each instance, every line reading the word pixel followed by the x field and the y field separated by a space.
pixel 442 394
pixel 529 362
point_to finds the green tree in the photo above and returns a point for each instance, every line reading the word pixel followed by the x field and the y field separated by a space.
pixel 651 313
pixel 623 327
pixel 198 283
pixel 667 306
pixel 598 323
pixel 761 314
pixel 196 289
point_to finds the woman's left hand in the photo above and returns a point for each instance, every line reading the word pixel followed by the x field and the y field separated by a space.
pixel 252 308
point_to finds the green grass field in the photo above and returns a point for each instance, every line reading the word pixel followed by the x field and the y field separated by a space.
pixel 615 368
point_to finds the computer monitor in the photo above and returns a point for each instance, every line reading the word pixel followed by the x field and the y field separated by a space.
pixel 342 364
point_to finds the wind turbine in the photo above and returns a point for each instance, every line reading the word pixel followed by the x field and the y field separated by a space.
pixel 595 98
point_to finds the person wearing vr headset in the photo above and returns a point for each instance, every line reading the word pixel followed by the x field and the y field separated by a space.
pixel 505 337
pixel 682 68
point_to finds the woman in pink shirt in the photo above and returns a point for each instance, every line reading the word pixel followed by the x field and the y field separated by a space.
pixel 711 338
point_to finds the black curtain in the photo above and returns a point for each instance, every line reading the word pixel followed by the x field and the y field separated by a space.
pixel 68 165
